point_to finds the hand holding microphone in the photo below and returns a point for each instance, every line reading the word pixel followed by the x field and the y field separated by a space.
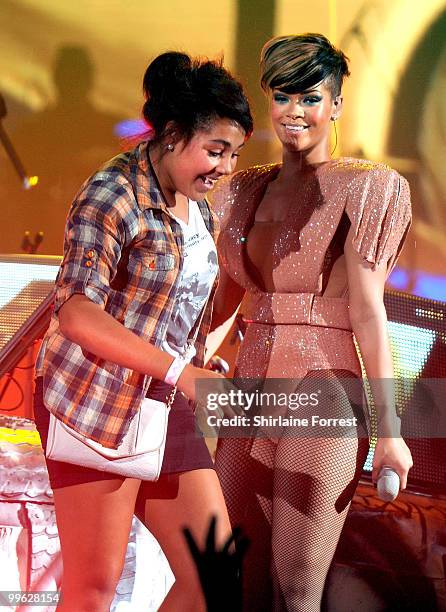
pixel 388 484
pixel 391 464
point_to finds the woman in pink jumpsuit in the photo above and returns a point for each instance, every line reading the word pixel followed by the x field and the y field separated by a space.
pixel 309 243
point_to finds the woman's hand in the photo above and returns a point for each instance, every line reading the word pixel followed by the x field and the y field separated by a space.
pixel 394 453
pixel 220 569
pixel 189 376
pixel 211 383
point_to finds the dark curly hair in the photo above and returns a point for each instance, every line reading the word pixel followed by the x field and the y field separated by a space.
pixel 191 93
pixel 296 63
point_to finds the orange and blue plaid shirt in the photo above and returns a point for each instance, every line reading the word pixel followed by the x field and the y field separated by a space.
pixel 123 250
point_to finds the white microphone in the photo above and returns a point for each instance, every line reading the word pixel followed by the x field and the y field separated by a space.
pixel 388 484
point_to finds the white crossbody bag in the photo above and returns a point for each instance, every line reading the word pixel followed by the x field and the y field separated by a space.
pixel 140 454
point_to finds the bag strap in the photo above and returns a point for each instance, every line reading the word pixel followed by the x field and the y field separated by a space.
pixel 171 397
pixel 199 321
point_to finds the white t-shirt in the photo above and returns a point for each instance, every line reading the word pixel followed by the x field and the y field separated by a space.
pixel 200 268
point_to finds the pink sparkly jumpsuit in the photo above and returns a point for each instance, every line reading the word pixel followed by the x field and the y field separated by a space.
pixel 291 494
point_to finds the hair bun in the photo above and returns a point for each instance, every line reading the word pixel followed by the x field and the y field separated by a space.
pixel 185 94
pixel 168 69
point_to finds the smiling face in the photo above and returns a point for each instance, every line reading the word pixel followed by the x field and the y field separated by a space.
pixel 193 168
pixel 302 120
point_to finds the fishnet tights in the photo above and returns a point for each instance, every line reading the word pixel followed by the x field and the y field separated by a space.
pixel 291 498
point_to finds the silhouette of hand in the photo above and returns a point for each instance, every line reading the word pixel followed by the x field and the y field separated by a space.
pixel 220 571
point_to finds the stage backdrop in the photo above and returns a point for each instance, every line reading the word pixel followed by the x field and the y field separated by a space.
pixel 71 72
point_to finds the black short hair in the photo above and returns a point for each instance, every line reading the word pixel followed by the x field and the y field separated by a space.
pixel 296 63
pixel 191 93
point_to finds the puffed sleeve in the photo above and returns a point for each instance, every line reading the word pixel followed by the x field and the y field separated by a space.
pixel 378 206
pixel 221 198
pixel 95 234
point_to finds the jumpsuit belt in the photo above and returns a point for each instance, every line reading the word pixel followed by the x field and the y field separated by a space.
pixel 297 309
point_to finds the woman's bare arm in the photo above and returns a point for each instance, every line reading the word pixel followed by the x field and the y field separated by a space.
pixel 87 324
pixel 228 298
pixel 369 323
pixel 227 301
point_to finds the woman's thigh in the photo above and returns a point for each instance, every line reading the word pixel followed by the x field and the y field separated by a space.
pixel 188 499
pixel 94 521
pixel 315 478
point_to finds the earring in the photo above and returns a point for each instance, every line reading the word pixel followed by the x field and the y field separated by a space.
pixel 170 147
pixel 333 118
pixel 336 134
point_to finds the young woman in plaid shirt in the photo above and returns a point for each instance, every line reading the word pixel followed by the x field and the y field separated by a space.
pixel 139 235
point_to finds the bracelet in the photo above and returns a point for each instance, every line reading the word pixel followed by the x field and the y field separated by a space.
pixel 175 370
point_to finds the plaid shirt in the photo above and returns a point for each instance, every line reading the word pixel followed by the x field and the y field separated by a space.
pixel 123 250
